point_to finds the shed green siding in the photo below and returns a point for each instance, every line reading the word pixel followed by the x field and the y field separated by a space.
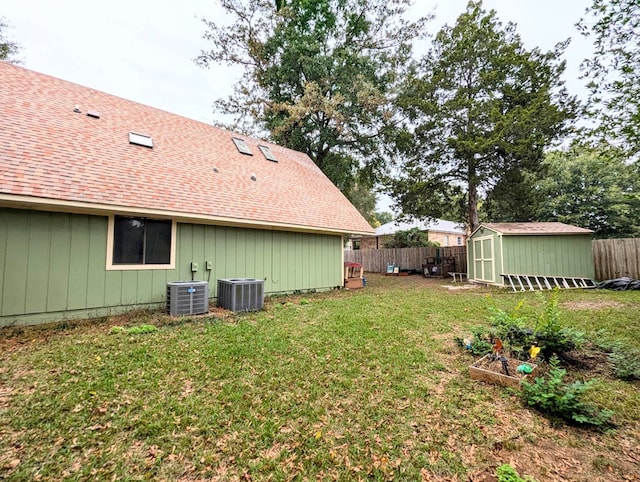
pixel 54 265
pixel 561 255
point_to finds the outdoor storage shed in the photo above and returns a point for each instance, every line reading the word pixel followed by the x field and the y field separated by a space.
pixel 535 249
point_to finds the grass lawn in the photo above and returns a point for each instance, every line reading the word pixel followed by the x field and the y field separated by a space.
pixel 350 385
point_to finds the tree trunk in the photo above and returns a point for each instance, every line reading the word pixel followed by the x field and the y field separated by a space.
pixel 473 197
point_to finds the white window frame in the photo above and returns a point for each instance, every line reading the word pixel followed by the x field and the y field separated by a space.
pixel 125 267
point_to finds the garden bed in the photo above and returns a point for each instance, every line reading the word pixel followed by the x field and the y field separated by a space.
pixel 490 370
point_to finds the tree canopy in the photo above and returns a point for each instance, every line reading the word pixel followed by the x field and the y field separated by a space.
pixel 8 48
pixel 320 76
pixel 593 188
pixel 410 238
pixel 614 70
pixel 479 107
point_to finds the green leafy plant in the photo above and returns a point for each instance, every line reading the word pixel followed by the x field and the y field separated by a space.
pixel 134 330
pixel 511 328
pixel 502 319
pixel 481 341
pixel 410 238
pixel 626 362
pixel 506 473
pixel 554 397
pixel 140 329
pixel 515 329
pixel 549 333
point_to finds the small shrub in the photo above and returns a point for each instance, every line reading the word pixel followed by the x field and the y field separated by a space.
pixel 481 348
pixel 503 320
pixel 134 330
pixel 140 329
pixel 411 238
pixel 551 337
pixel 506 473
pixel 554 397
pixel 626 362
pixel 480 341
pixel 547 332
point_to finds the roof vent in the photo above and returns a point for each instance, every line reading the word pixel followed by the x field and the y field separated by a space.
pixel 140 140
pixel 267 153
pixel 76 109
pixel 242 146
pixel 93 113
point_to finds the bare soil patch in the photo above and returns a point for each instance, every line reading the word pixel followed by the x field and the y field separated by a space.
pixel 591 305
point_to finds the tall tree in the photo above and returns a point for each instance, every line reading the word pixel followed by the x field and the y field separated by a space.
pixel 513 198
pixel 382 217
pixel 592 188
pixel 479 106
pixel 8 48
pixel 364 200
pixel 320 76
pixel 614 70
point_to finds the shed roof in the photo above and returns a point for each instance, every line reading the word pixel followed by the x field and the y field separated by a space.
pixel 439 225
pixel 54 157
pixel 552 228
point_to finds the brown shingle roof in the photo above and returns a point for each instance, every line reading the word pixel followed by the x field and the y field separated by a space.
pixel 536 228
pixel 49 152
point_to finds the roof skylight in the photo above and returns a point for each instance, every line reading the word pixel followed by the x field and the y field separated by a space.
pixel 242 146
pixel 140 140
pixel 267 153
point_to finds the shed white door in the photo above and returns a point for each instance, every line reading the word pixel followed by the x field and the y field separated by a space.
pixel 483 259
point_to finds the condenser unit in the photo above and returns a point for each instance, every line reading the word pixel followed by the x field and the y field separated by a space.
pixel 241 294
pixel 187 297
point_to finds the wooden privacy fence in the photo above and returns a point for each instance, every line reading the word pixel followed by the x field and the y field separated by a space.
pixel 616 258
pixel 376 260
pixel 612 258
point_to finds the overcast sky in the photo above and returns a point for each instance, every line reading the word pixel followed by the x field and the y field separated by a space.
pixel 143 50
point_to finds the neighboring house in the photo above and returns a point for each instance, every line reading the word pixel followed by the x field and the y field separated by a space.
pixel 534 249
pixel 445 233
pixel 104 201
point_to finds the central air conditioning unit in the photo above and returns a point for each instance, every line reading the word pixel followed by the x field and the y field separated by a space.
pixel 187 297
pixel 241 294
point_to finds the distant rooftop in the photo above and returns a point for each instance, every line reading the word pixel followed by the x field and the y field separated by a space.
pixel 439 225
pixel 536 228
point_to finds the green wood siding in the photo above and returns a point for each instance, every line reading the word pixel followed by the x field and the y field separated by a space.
pixel 285 261
pixel 53 265
pixel 566 255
